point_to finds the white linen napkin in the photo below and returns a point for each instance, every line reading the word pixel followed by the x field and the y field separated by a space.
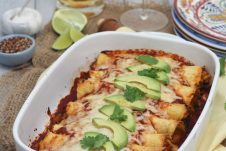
pixel 216 130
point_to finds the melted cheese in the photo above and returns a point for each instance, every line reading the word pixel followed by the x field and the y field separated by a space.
pixel 168 95
pixel 156 118
pixel 192 74
pixel 124 63
pixel 84 124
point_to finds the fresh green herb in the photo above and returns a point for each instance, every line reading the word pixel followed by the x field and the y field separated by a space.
pixel 147 60
pixel 133 94
pixel 118 114
pixel 92 142
pixel 152 73
pixel 225 106
pixel 222 66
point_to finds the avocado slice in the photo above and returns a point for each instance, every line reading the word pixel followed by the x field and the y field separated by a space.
pixel 139 67
pixel 150 83
pixel 154 62
pixel 108 146
pixel 147 59
pixel 149 93
pixel 163 66
pixel 129 124
pixel 121 100
pixel 162 76
pixel 120 138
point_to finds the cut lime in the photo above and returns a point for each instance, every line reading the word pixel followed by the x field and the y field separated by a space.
pixel 76 34
pixel 63 41
pixel 65 18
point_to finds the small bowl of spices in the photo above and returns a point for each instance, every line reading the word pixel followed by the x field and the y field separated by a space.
pixel 16 49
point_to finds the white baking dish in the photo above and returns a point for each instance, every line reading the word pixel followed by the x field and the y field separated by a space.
pixel 57 81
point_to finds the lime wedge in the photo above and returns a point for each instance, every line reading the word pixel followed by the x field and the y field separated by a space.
pixel 63 41
pixel 76 34
pixel 65 18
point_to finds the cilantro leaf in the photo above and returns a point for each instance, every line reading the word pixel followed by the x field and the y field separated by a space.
pixel 87 142
pixel 92 142
pixel 133 94
pixel 100 140
pixel 225 106
pixel 147 60
pixel 118 114
pixel 222 66
pixel 152 73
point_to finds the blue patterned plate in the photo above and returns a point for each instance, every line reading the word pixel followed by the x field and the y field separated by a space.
pixel 219 53
pixel 207 17
pixel 196 36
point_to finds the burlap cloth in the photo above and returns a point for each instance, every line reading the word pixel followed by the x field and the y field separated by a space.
pixel 16 85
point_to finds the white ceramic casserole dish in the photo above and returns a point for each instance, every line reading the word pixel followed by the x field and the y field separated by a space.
pixel 57 81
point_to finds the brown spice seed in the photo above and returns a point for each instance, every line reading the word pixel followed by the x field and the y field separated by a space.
pixel 15 44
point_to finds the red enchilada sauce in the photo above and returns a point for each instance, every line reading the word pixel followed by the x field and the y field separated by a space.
pixel 59 114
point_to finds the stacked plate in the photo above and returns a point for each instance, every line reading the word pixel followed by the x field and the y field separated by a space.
pixel 203 22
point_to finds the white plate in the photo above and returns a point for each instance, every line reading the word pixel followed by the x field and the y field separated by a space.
pixel 57 81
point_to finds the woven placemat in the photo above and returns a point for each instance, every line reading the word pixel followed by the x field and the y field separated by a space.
pixel 16 95
pixel 16 85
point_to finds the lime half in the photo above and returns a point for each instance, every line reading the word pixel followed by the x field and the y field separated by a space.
pixel 64 19
pixel 76 34
pixel 63 41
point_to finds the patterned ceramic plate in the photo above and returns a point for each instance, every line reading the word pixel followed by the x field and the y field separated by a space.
pixel 194 35
pixel 218 52
pixel 208 17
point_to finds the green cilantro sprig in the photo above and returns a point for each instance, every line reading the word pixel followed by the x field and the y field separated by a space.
pixel 133 94
pixel 92 142
pixel 152 73
pixel 222 66
pixel 117 115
